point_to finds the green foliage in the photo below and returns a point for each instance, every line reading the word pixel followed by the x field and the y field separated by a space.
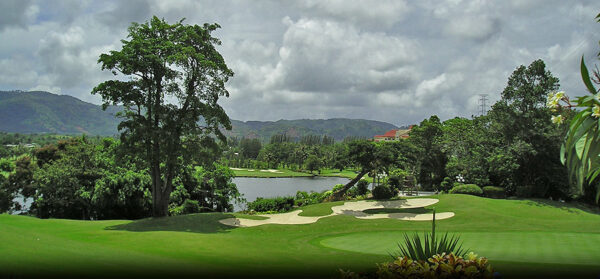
pixel 362 187
pixel 250 148
pixel 581 149
pixel 122 193
pixel 524 144
pixel 304 198
pixel 493 192
pixel 188 207
pixel 427 138
pixel 278 204
pixel 438 266
pixel 161 65
pixel 7 194
pixel 383 192
pixel 395 181
pixel 468 189
pixel 6 165
pixel 212 186
pixel 313 163
pixel 64 187
pixel 446 184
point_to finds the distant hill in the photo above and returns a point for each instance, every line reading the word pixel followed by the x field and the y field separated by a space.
pixel 43 112
pixel 338 128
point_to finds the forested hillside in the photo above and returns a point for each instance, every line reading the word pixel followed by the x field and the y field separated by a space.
pixel 43 112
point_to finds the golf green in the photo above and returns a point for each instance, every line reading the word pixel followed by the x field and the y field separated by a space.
pixel 532 237
pixel 540 247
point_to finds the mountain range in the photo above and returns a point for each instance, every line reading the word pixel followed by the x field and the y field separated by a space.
pixel 44 112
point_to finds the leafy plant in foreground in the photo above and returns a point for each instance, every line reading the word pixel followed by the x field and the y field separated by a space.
pixel 417 248
pixel 581 150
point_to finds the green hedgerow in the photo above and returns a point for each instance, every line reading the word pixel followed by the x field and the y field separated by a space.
pixel 494 192
pixel 469 189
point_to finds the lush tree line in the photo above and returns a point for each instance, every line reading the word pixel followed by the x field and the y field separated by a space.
pixel 515 146
pixel 78 179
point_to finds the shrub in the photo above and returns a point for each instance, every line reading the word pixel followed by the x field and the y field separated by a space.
pixel 188 207
pixel 304 198
pixel 383 192
pixel 395 181
pixel 469 189
pixel 423 249
pixel 431 258
pixel 438 266
pixel 446 184
pixel 279 204
pixel 494 192
pixel 337 187
pixel 362 187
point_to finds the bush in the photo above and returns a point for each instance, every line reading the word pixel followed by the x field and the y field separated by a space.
pixel 446 184
pixel 279 204
pixel 188 207
pixel 362 187
pixel 383 192
pixel 494 192
pixel 439 266
pixel 304 198
pixel 469 189
pixel 337 187
pixel 395 181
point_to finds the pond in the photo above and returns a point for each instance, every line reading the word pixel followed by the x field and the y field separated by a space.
pixel 277 187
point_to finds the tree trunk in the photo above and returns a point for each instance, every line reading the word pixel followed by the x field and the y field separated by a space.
pixel 160 206
pixel 339 194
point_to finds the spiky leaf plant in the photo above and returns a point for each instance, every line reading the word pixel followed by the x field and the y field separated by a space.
pixel 423 248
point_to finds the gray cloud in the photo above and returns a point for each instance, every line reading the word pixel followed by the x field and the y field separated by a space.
pixel 14 13
pixel 396 61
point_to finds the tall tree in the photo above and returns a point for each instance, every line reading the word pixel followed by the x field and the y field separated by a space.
pixel 427 138
pixel 172 78
pixel 525 157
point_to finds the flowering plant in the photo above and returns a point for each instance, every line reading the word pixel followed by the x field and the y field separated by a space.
pixel 581 150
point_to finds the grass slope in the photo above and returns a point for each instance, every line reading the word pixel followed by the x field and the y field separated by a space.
pixel 520 236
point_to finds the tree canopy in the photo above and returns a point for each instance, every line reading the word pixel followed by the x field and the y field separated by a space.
pixel 170 79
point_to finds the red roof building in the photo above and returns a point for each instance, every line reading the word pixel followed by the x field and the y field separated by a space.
pixel 393 135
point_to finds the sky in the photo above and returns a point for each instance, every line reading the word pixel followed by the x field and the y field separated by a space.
pixel 396 61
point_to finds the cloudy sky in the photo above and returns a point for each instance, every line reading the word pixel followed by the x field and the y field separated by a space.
pixel 397 61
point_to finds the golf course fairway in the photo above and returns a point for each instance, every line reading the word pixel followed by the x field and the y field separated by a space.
pixel 522 238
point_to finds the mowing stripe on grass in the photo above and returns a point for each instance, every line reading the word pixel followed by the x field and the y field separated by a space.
pixel 538 247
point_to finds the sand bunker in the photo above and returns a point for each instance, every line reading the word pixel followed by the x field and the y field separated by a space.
pixel 355 209
pixel 272 171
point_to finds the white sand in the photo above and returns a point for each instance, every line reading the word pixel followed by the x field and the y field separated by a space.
pixel 272 171
pixel 348 208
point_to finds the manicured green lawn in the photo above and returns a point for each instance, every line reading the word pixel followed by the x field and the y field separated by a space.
pixel 521 237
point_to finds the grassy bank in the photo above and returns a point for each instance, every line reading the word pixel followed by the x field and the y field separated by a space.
pixel 538 238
